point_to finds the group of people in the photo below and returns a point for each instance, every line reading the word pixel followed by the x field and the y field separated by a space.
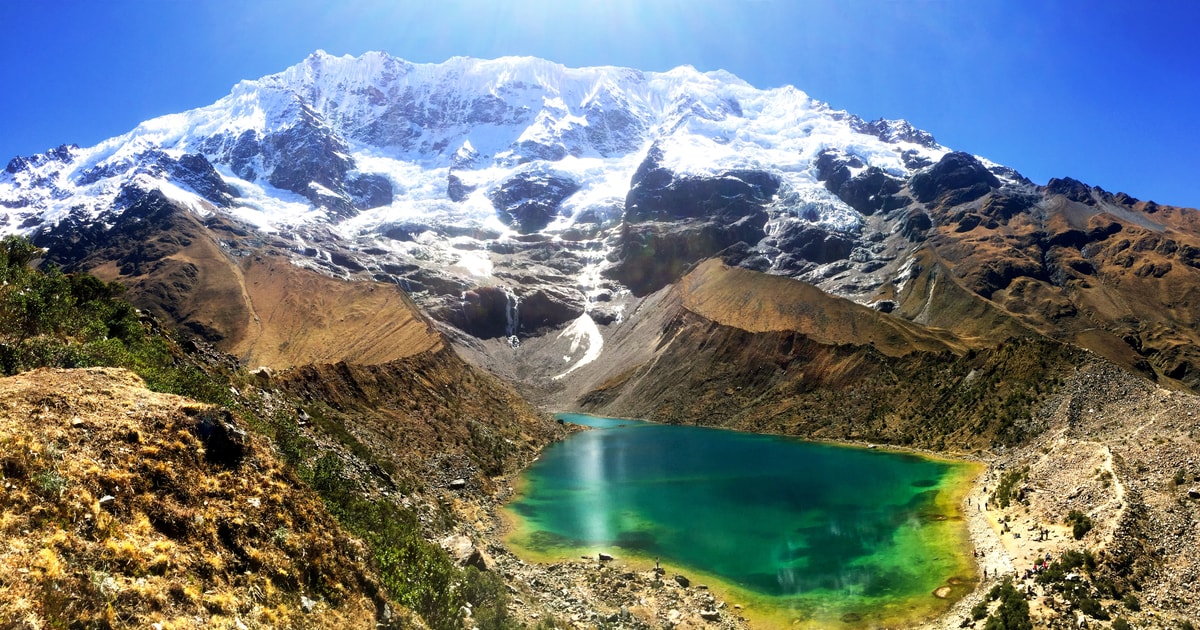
pixel 1040 566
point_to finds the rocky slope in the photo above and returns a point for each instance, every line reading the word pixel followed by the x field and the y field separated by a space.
pixel 124 507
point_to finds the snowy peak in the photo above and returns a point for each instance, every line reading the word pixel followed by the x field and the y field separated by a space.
pixel 475 182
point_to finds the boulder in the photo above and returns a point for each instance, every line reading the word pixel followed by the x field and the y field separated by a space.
pixel 224 443
pixel 682 581
pixel 466 554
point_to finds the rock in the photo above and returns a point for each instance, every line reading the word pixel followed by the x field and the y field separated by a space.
pixel 654 254
pixel 894 131
pixel 224 443
pixel 456 189
pixel 682 581
pixel 710 615
pixel 1072 189
pixel 603 557
pixel 458 484
pixel 530 200
pixel 369 191
pixel 915 225
pixel 1194 494
pixel 658 194
pixel 957 178
pixel 307 604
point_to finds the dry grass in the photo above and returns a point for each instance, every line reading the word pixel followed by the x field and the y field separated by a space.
pixel 116 512
pixel 757 302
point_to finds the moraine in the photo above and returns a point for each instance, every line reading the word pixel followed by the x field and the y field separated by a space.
pixel 795 530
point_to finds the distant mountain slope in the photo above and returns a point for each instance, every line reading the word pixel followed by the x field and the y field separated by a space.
pixel 834 370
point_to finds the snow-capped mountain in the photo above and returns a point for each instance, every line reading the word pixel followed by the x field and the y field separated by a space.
pixel 516 197
pixel 374 148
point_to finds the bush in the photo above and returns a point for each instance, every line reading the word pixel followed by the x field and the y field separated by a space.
pixel 1013 613
pixel 979 611
pixel 1092 608
pixel 1120 624
pixel 1004 489
pixel 1131 602
pixel 1081 524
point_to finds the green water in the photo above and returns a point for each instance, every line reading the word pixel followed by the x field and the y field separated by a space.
pixel 807 531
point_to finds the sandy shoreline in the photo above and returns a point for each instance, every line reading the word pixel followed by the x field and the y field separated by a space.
pixel 1003 554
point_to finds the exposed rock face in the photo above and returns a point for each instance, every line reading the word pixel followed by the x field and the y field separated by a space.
pixel 956 178
pixel 491 312
pixel 456 189
pixel 529 201
pixel 672 221
pixel 1072 189
pixel 369 191
pixel 657 194
pixel 894 131
pixel 812 244
pixel 868 192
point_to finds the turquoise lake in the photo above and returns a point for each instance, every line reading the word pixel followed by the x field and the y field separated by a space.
pixel 799 530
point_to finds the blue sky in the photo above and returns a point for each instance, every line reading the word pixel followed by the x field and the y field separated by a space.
pixel 1106 92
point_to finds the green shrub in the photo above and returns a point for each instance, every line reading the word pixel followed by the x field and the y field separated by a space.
pixel 1004 489
pixel 1131 602
pixel 979 611
pixel 1081 523
pixel 1092 608
pixel 1120 624
pixel 1013 613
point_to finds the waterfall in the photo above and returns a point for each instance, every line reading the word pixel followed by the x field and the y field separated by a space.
pixel 512 317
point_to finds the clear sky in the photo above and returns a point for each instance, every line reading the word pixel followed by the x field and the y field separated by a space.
pixel 1105 92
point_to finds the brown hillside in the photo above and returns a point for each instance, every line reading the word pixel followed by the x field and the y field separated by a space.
pixel 788 381
pixel 127 508
pixel 305 317
pixel 431 417
pixel 1111 274
pixel 758 302
pixel 247 298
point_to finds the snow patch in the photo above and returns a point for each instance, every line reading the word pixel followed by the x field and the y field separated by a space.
pixel 582 330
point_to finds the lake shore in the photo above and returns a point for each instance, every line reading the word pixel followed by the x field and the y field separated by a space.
pixel 571 563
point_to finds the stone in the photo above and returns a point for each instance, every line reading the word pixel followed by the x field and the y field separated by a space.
pixel 710 615
pixel 682 581
pixel 603 557
pixel 307 604
pixel 224 443
pixel 458 484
